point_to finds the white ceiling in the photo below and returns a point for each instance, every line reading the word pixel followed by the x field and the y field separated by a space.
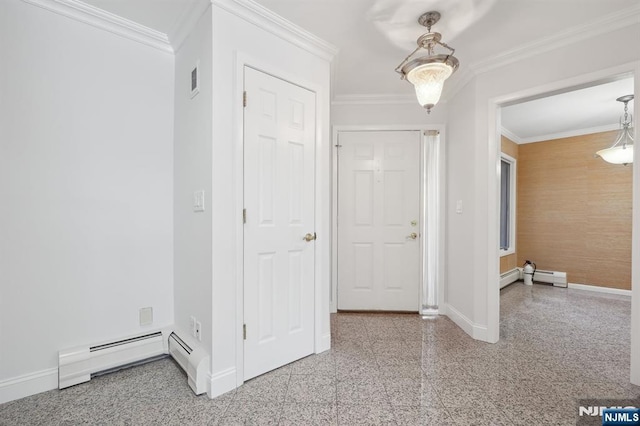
pixel 588 110
pixel 380 33
pixel 159 15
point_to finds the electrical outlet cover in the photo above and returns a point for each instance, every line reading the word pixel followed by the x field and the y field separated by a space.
pixel 146 316
pixel 198 330
pixel 192 325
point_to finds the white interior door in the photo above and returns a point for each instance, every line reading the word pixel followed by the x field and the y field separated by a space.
pixel 379 220
pixel 279 182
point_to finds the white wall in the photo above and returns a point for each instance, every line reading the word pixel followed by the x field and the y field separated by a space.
pixel 387 114
pixel 236 40
pixel 565 66
pixel 85 190
pixel 460 172
pixel 192 172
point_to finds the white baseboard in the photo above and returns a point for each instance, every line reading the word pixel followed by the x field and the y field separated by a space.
pixel 222 382
pixel 29 384
pixel 325 343
pixel 599 289
pixel 477 331
pixel 481 333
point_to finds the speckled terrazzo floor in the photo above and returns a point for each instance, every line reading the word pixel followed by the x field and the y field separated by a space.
pixel 557 346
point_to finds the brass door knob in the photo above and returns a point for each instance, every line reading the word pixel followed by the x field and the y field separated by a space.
pixel 413 235
pixel 310 237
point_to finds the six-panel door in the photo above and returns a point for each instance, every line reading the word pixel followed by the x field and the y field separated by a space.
pixel 279 184
pixel 378 220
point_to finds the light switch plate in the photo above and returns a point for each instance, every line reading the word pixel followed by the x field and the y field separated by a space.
pixel 198 201
pixel 459 206
pixel 192 325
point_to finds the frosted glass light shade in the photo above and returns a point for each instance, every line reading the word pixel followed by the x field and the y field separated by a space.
pixel 622 154
pixel 428 80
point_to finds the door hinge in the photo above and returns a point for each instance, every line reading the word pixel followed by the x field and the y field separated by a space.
pixel 244 215
pixel 244 98
pixel 244 331
pixel 337 145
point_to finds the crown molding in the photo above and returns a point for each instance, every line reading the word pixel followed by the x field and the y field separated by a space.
pixel 464 76
pixel 265 19
pixel 186 22
pixel 104 20
pixel 606 24
pixel 560 135
pixel 609 23
pixel 510 135
pixel 373 99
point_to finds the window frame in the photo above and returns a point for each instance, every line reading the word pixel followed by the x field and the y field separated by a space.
pixel 512 205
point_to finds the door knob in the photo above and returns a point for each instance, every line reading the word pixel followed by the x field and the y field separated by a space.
pixel 413 236
pixel 310 237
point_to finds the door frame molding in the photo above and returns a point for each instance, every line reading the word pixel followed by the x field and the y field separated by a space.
pixel 322 340
pixel 422 128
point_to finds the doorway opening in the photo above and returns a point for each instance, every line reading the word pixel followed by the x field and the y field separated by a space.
pixel 496 118
pixel 388 203
pixel 573 212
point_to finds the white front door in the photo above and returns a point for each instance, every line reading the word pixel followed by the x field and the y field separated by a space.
pixel 379 220
pixel 279 160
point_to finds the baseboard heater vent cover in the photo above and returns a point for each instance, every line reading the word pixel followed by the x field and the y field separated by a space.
pixel 79 364
pixel 558 279
pixel 509 277
pixel 192 358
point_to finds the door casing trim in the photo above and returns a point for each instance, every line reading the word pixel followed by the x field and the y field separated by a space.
pixel 422 128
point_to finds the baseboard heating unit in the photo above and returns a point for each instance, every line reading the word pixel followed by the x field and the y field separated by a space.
pixel 509 277
pixel 80 364
pixel 77 365
pixel 558 279
pixel 193 360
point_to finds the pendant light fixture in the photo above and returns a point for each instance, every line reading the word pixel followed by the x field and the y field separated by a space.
pixel 428 73
pixel 621 152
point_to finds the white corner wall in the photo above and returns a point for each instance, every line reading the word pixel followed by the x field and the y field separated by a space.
pixel 192 172
pixel 459 234
pixel 238 39
pixel 86 124
pixel 568 65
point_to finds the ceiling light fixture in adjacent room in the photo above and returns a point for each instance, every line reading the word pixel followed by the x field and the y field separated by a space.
pixel 428 73
pixel 621 152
